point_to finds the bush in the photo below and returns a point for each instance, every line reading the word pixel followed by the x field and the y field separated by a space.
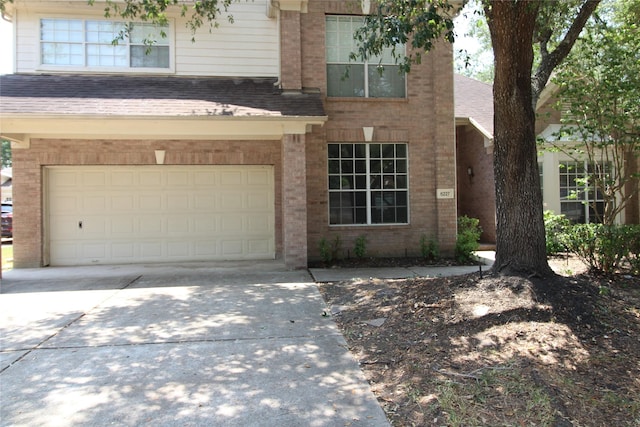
pixel 604 247
pixel 555 226
pixel 469 232
pixel 330 251
pixel 360 246
pixel 429 248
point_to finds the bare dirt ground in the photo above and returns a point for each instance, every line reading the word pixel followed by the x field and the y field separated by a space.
pixel 497 351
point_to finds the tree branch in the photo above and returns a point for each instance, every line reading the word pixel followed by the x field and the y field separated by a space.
pixel 550 60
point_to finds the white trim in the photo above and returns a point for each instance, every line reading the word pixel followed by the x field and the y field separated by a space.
pixel 91 127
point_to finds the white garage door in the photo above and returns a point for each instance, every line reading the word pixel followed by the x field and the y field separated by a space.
pixel 130 214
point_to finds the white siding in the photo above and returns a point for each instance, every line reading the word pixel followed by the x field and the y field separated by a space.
pixel 248 47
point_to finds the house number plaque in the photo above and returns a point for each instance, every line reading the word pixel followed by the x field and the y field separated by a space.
pixel 444 193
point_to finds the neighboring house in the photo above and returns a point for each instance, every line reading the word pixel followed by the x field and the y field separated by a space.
pixel 474 152
pixel 249 143
pixel 7 185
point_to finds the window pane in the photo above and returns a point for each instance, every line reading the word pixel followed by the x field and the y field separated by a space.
pixel 401 181
pixel 388 150
pixel 104 32
pixel 376 182
pixel 361 151
pixel 334 166
pixel 361 166
pixel 346 166
pixel 340 85
pixel 361 182
pixel 150 56
pixel 374 150
pixel 334 151
pixel 401 166
pixel 573 211
pixel 149 33
pixel 334 182
pixel 347 182
pixel 375 166
pixel 386 83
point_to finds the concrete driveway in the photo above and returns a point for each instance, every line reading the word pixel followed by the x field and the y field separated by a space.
pixel 227 344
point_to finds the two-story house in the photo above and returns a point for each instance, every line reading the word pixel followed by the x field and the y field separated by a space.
pixel 251 142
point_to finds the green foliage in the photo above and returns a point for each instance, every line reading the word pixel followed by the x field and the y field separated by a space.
pixel 555 226
pixel 155 11
pixel 598 99
pixel 474 61
pixel 330 251
pixel 360 246
pixel 605 248
pixel 429 248
pixel 418 23
pixel 468 239
pixel 6 154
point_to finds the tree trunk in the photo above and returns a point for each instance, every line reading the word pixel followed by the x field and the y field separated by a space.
pixel 520 234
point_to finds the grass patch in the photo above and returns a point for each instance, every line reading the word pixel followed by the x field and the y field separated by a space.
pixel 497 396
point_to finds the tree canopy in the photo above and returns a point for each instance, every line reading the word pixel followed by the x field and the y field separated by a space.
pixel 598 98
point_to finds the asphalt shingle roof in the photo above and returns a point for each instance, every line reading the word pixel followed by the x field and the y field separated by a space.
pixel 474 99
pixel 151 96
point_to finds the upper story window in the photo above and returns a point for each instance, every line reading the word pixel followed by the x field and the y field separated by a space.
pixel 90 44
pixel 365 79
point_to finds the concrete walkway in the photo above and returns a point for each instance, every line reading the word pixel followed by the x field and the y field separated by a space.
pixel 232 344
pixel 485 261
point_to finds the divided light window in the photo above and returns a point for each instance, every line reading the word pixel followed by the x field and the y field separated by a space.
pixel 368 184
pixel 579 201
pixel 350 78
pixel 85 43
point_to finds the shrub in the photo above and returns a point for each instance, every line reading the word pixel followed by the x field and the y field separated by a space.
pixel 469 232
pixel 604 247
pixel 360 246
pixel 330 251
pixel 555 226
pixel 429 247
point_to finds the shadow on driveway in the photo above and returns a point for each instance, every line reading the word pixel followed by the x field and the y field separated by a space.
pixel 237 344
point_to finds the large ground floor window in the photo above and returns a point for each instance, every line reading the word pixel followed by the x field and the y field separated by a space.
pixel 368 183
pixel 580 201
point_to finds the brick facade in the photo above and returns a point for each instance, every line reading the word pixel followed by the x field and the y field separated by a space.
pixel 29 166
pixel 424 120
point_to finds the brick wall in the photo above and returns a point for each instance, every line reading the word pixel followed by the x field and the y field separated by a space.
pixel 476 194
pixel 425 120
pixel 29 163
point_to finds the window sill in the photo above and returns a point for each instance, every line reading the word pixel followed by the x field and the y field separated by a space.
pixel 376 227
pixel 362 99
pixel 114 70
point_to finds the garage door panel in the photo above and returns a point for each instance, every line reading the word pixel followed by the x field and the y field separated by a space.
pixel 123 178
pixel 150 202
pixel 160 213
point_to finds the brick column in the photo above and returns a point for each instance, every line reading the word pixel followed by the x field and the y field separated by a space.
pixel 294 201
pixel 290 51
pixel 445 145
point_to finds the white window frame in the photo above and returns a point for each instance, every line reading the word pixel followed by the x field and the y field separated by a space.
pixel 369 190
pixel 367 63
pixel 590 193
pixel 170 43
